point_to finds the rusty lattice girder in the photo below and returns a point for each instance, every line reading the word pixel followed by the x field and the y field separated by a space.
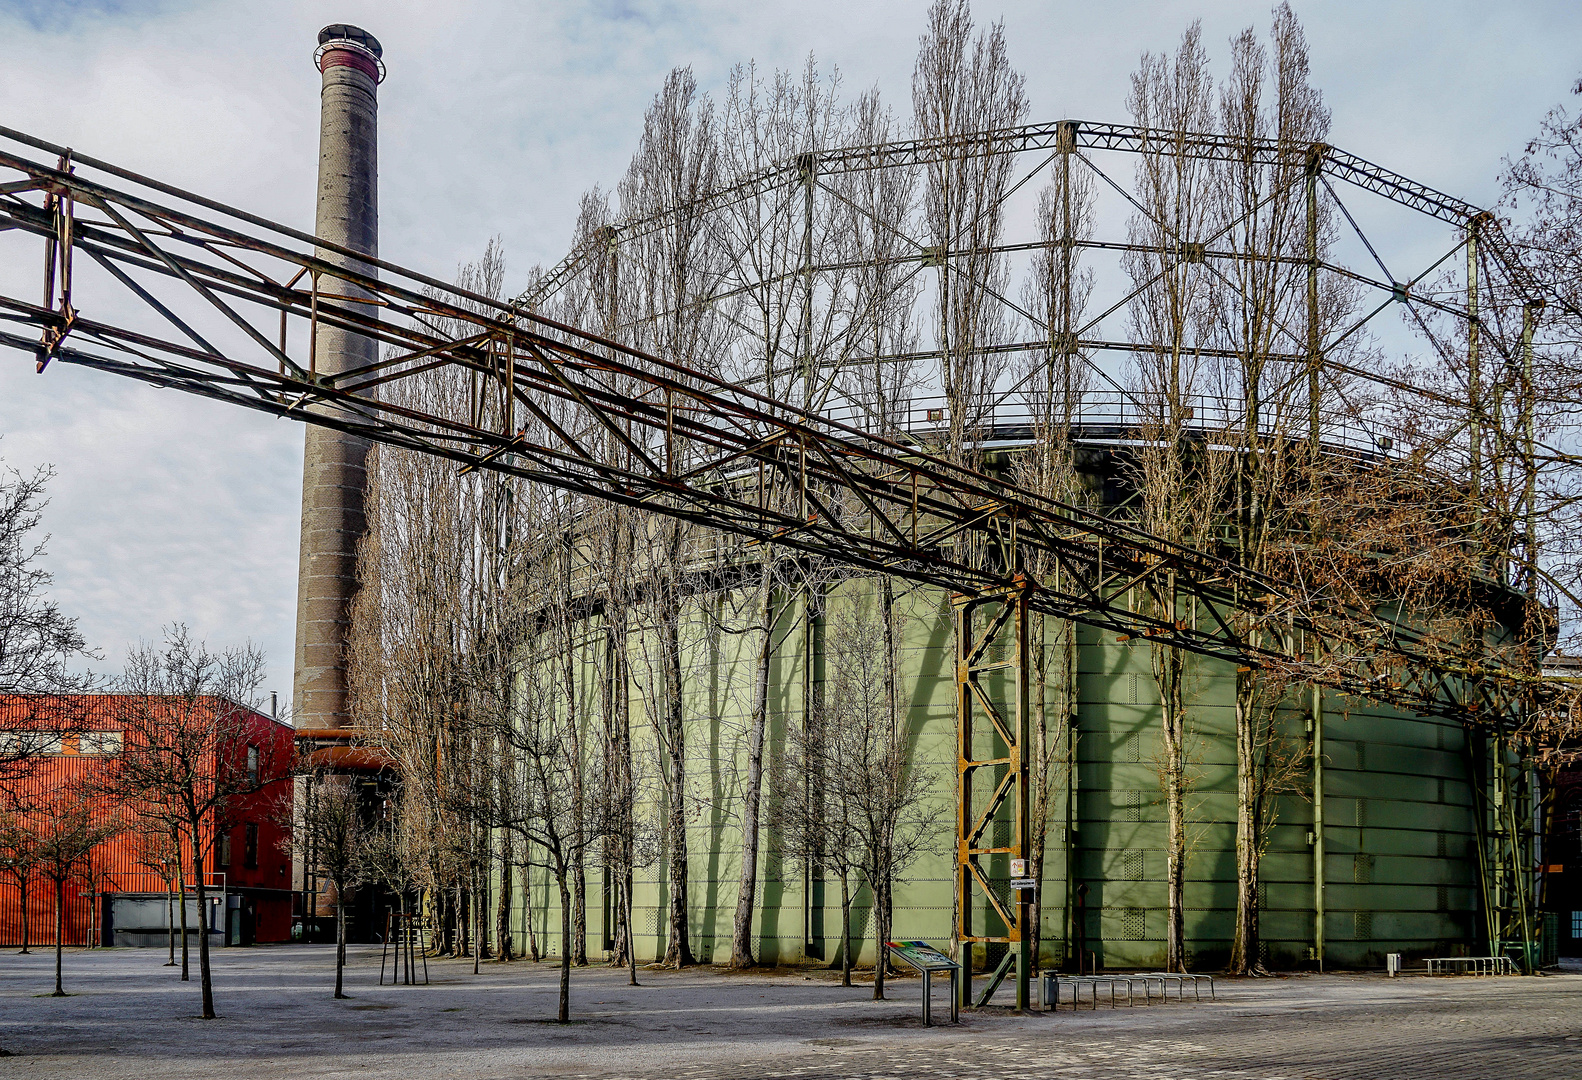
pixel 1075 135
pixel 585 414
pixel 993 670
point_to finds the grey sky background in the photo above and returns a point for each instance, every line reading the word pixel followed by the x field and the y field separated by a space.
pixel 495 116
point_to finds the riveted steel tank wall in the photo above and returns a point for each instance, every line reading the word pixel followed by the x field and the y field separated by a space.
pixel 334 464
pixel 1400 867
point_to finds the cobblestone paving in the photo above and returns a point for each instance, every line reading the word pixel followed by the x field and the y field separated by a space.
pixel 129 1019
pixel 1330 1028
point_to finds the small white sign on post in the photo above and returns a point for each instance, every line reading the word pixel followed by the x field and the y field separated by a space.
pixel 1018 868
pixel 1024 883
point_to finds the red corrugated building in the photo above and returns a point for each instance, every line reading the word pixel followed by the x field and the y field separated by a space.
pixel 120 896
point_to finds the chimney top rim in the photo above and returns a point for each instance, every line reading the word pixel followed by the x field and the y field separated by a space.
pixel 346 33
pixel 356 42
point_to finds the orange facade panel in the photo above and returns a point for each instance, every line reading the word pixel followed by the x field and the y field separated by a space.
pixel 247 853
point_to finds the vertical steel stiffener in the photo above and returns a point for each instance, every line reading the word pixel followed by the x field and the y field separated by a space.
pixel 1315 360
pixel 1502 800
pixel 992 669
pixel 334 463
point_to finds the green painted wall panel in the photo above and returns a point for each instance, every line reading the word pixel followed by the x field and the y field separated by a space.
pixel 1409 778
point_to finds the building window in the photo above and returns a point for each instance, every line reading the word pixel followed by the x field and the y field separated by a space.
pixel 99 742
pixel 224 845
pixel 1576 925
pixel 30 742
pixel 250 848
pixel 252 765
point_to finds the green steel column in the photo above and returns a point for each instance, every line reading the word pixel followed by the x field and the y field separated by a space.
pixel 1522 863
pixel 1500 858
pixel 1314 354
pixel 1318 824
pixel 809 165
pixel 1073 790
pixel 1474 377
pixel 1020 822
pixel 963 884
pixel 1530 313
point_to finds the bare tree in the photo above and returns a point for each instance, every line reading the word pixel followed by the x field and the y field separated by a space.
pixel 1177 482
pixel 556 810
pixel 38 642
pixel 188 751
pixel 677 162
pixel 603 559
pixel 1260 211
pixel 870 796
pixel 964 90
pixel 69 827
pixel 329 833
pixel 159 853
pixel 19 858
pixel 1053 381
pixel 816 828
pixel 429 646
pixel 1543 365
pixel 784 325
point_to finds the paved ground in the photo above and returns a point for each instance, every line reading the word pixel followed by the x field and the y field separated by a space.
pixel 130 1018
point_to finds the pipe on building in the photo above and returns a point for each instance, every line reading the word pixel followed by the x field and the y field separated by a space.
pixel 334 463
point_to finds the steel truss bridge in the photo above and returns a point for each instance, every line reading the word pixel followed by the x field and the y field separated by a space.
pixel 146 281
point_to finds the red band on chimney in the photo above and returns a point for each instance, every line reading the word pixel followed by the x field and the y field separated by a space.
pixel 352 58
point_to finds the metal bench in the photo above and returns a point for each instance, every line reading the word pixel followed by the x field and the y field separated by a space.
pixel 1181 979
pixel 1052 980
pixel 1472 965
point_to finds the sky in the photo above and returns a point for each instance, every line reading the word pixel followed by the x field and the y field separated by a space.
pixel 494 117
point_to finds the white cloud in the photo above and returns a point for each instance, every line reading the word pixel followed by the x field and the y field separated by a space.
pixel 494 117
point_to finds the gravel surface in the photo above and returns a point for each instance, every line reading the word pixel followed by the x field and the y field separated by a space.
pixel 128 1017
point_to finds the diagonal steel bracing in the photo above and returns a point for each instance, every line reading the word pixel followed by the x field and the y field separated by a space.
pixel 588 415
pixel 189 294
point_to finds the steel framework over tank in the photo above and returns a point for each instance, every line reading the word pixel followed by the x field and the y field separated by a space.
pixel 194 295
pixel 827 179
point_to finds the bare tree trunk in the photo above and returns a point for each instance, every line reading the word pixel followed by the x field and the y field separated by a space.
pixel 205 975
pixel 475 920
pixel 1244 958
pixel 485 891
pixel 533 951
pixel 741 934
pixel 502 917
pixel 881 927
pixel 564 1013
pixel 170 920
pixel 1169 669
pixel 60 930
pixel 22 887
pixel 340 939
pixel 617 930
pixel 845 929
pixel 678 948
pixel 181 908
pixel 1174 767
pixel 579 909
pixel 631 940
pixel 615 705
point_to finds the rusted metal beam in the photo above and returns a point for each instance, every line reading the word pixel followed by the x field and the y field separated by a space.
pixel 573 385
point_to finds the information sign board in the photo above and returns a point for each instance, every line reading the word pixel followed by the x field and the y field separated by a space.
pixel 921 955
pixel 927 959
pixel 1024 883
